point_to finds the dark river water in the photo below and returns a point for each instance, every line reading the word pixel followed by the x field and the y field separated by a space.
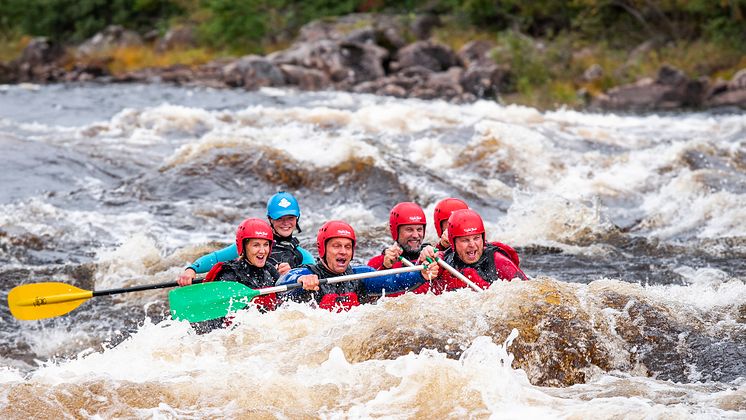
pixel 631 227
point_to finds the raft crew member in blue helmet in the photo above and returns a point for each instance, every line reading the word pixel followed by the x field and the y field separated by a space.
pixel 283 213
pixel 336 244
pixel 254 244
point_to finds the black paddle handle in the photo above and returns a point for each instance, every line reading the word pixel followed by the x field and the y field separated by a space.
pixel 139 288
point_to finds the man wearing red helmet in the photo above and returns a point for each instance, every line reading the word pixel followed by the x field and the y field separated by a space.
pixel 336 245
pixel 254 243
pixel 407 226
pixel 481 262
pixel 442 212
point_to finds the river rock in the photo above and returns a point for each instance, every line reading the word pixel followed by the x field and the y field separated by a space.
pixel 477 53
pixel 8 73
pixel 422 26
pixel 428 54
pixel 39 61
pixel 114 36
pixel 729 94
pixel 253 72
pixel 485 80
pixel 344 62
pixel 178 37
pixel 305 78
pixel 671 89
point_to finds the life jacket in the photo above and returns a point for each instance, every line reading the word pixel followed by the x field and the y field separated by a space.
pixel 337 297
pixel 496 262
pixel 285 250
pixel 251 276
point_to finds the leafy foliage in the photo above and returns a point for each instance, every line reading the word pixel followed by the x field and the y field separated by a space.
pixel 75 20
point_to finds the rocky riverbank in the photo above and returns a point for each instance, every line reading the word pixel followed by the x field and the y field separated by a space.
pixel 366 54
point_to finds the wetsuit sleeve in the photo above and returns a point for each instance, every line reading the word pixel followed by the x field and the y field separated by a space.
pixel 205 262
pixel 307 257
pixel 390 283
pixel 297 295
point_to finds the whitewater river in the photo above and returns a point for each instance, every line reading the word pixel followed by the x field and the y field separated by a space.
pixel 632 228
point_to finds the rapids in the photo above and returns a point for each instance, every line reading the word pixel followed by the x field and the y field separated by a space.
pixel 631 227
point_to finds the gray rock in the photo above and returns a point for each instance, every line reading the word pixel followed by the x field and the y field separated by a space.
pixel 431 55
pixel 252 72
pixel 114 36
pixel 477 53
pixel 344 62
pixel 178 37
pixel 305 78
pixel 594 72
pixel 738 81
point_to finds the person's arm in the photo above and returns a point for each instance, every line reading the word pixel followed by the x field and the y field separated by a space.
pixel 205 262
pixel 390 283
pixel 292 276
pixel 307 257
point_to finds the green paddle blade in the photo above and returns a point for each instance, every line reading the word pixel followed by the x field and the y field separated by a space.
pixel 205 301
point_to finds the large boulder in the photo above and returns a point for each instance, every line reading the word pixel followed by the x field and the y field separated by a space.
pixel 344 62
pixel 730 94
pixel 113 37
pixel 486 80
pixel 39 61
pixel 671 89
pixel 431 55
pixel 8 73
pixel 41 51
pixel 478 52
pixel 422 25
pixel 305 78
pixel 180 37
pixel 252 72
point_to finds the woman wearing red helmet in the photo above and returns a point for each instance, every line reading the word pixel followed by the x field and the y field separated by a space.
pixel 481 262
pixel 283 213
pixel 336 245
pixel 254 243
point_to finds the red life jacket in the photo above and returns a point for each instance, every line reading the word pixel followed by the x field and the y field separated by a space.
pixel 336 302
pixel 336 297
pixel 502 264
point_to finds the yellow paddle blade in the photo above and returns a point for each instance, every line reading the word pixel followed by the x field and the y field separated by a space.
pixel 45 300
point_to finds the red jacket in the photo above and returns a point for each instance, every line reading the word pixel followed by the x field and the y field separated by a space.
pixel 498 262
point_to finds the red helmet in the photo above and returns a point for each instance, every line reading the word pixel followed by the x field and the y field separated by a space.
pixel 334 229
pixel 406 213
pixel 464 223
pixel 443 211
pixel 253 229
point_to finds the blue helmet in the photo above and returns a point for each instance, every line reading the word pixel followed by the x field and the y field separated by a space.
pixel 282 204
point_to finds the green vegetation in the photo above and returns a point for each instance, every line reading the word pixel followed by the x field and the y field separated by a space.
pixel 548 44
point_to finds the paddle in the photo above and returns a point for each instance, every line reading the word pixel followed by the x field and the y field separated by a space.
pixel 51 299
pixel 457 274
pixel 213 300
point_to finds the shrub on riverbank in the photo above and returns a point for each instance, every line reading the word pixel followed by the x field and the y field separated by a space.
pixel 557 52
